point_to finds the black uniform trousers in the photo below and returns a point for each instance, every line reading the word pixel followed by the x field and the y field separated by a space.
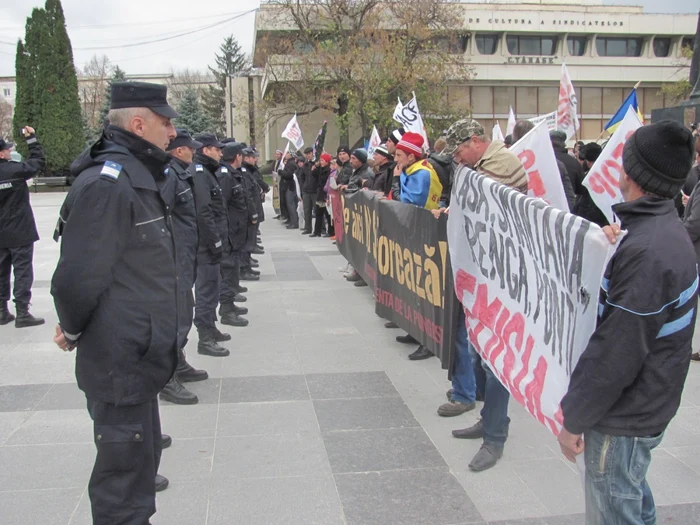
pixel 185 306
pixel 230 276
pixel 206 296
pixel 292 200
pixel 309 200
pixel 282 190
pixel 129 443
pixel 321 214
pixel 21 260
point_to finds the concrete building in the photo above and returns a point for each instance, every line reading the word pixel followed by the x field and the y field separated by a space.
pixel 516 50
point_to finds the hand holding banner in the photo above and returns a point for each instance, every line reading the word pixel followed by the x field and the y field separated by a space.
pixel 293 133
pixel 603 181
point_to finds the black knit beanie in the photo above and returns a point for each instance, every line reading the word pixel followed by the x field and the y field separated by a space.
pixel 658 157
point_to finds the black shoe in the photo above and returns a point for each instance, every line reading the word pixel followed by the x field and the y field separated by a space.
pixel 390 324
pixel 315 235
pixel 25 319
pixel 241 289
pixel 248 276
pixel 476 431
pixel 208 346
pixel 306 232
pixel 178 394
pixel 240 310
pixel 353 277
pixel 5 315
pixel 186 373
pixel 293 227
pixel 254 272
pixel 254 264
pixel 161 483
pixel 361 283
pixel 238 298
pixel 420 354
pixel 232 319
pixel 258 251
pixel 276 217
pixel 220 336
pixel 167 441
pixel 326 235
pixel 407 339
pixel 486 458
pixel 253 260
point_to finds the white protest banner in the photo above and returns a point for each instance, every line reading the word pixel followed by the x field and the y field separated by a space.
pixel 284 156
pixel 409 117
pixel 549 118
pixel 603 180
pixel 567 110
pixel 537 155
pixel 293 133
pixel 300 204
pixel 374 141
pixel 528 277
pixel 497 134
pixel 511 122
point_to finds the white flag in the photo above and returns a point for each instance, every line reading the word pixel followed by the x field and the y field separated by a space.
pixel 567 110
pixel 511 122
pixel 497 134
pixel 537 155
pixel 284 156
pixel 374 141
pixel 603 181
pixel 293 133
pixel 409 117
pixel 549 118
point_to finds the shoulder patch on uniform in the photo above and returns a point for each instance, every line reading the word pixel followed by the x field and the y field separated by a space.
pixel 198 167
pixel 111 170
pixel 167 170
pixel 243 169
pixel 224 170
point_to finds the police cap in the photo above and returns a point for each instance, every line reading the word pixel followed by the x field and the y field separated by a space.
pixel 5 145
pixel 142 95
pixel 209 140
pixel 183 139
pixel 232 150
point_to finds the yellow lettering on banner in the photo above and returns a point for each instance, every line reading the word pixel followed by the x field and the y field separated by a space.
pixel 375 230
pixel 432 277
pixel 443 255
pixel 383 255
pixel 400 275
pixel 410 275
pixel 419 275
pixel 368 229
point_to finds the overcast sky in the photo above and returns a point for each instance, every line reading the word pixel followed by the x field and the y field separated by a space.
pixel 109 25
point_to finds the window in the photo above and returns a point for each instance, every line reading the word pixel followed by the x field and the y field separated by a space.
pixel 531 45
pixel 6 92
pixel 687 41
pixel 453 44
pixel 662 46
pixel 618 47
pixel 487 44
pixel 577 45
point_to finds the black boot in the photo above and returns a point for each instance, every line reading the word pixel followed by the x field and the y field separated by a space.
pixel 241 289
pixel 161 483
pixel 186 373
pixel 420 354
pixel 230 307
pixel 5 315
pixel 178 394
pixel 220 336
pixel 232 319
pixel 24 318
pixel 248 275
pixel 208 346
pixel 238 298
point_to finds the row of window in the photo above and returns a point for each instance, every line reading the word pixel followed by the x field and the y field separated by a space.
pixel 546 45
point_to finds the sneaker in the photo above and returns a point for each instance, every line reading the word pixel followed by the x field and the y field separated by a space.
pixel 455 408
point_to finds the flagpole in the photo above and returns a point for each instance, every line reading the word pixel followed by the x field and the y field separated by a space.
pixel 633 89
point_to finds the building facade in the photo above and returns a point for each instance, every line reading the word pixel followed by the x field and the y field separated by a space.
pixel 516 51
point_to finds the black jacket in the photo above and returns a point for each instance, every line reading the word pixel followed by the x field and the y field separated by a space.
pixel 629 380
pixel 566 183
pixel 443 166
pixel 179 190
pixel 380 179
pixel 573 168
pixel 584 205
pixel 212 220
pixel 691 219
pixel 320 175
pixel 253 192
pixel 359 178
pixel 17 226
pixel 344 173
pixel 262 188
pixel 310 181
pixel 240 209
pixel 115 287
pixel 688 187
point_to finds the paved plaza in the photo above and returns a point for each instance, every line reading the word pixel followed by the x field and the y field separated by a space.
pixel 316 417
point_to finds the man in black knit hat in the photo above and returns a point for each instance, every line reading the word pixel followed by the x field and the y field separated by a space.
pixel 627 385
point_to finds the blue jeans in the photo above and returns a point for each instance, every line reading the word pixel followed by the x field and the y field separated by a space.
pixel 617 492
pixel 464 375
pixel 494 414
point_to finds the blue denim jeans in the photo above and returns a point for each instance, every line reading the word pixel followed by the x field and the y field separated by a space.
pixel 464 375
pixel 617 492
pixel 494 414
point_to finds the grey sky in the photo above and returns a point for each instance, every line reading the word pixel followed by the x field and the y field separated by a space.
pixel 103 23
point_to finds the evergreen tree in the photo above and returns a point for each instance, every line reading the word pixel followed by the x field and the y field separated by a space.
pixel 118 75
pixel 192 116
pixel 230 61
pixel 59 119
pixel 24 97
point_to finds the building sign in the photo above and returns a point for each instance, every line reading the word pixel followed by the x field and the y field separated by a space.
pixel 544 61
pixel 548 23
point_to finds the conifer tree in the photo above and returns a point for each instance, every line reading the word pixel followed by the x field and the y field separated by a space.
pixel 118 75
pixel 192 116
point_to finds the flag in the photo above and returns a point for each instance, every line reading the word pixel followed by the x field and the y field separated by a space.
pixel 567 109
pixel 284 156
pixel 497 134
pixel 410 118
pixel 293 133
pixel 374 141
pixel 320 141
pixel 511 122
pixel 550 118
pixel 630 102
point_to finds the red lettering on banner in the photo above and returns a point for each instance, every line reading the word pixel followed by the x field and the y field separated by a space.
pixel 535 184
pixel 607 177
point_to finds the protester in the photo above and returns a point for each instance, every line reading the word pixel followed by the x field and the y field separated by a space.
pixel 320 173
pixel 281 185
pixel 180 191
pixel 344 166
pixel 470 146
pixel 584 206
pixel 115 293
pixel 691 218
pixel 393 140
pixel 361 173
pixel 415 181
pixel 331 184
pixel 577 149
pixel 573 167
pixel 383 176
pixel 681 199
pixel 309 188
pixel 443 166
pixel 287 175
pixel 628 382
pixel 18 230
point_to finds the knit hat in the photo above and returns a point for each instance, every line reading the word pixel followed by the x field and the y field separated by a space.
pixel 658 157
pixel 360 154
pixel 411 143
pixel 344 149
pixel 395 136
pixel 381 149
pixel 326 157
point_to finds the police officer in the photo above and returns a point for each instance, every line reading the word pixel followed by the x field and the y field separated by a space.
pixel 180 191
pixel 213 230
pixel 232 190
pixel 250 163
pixel 253 192
pixel 115 290
pixel 18 229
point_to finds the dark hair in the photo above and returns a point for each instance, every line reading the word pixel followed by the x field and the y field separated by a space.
pixel 522 127
pixel 590 152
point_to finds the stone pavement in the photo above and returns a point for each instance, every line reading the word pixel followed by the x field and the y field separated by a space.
pixel 317 417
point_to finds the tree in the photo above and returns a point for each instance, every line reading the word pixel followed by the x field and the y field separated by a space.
pixel 118 75
pixel 92 88
pixel 356 57
pixel 181 80
pixel 25 112
pixel 680 90
pixel 5 119
pixel 192 116
pixel 230 61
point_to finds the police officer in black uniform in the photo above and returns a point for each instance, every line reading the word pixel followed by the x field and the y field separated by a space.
pixel 250 163
pixel 115 289
pixel 213 230
pixel 18 229
pixel 181 192
pixel 248 273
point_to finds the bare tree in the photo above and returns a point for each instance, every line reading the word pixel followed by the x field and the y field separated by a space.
pixel 5 119
pixel 182 80
pixel 680 90
pixel 92 82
